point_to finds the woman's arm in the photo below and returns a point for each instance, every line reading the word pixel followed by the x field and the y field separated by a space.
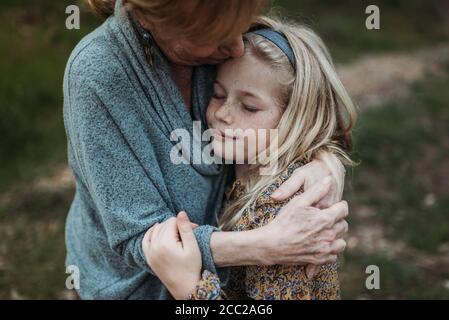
pixel 292 237
pixel 173 253
pixel 126 196
pixel 300 234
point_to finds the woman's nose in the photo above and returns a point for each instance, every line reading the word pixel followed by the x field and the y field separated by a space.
pixel 235 49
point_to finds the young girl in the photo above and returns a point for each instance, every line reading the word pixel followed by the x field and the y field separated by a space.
pixel 285 81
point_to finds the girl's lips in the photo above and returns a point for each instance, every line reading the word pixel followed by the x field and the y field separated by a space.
pixel 222 136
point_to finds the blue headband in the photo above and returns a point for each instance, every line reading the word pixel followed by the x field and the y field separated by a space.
pixel 279 40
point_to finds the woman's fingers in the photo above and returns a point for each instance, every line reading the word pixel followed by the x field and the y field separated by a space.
pixel 312 270
pixel 317 260
pixel 312 195
pixel 291 186
pixel 341 228
pixel 338 246
pixel 185 229
pixel 336 213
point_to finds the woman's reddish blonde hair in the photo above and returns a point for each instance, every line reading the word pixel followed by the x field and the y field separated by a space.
pixel 202 21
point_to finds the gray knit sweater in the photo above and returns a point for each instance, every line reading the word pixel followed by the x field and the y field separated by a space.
pixel 119 112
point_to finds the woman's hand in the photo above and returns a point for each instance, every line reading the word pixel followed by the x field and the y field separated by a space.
pixel 303 234
pixel 326 164
pixel 173 254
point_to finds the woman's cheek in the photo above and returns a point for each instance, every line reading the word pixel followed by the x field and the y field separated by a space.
pixel 201 51
pixel 210 112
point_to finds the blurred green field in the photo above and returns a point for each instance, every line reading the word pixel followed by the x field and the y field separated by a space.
pixel 403 147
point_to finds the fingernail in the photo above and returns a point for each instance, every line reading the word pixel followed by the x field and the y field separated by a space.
pixel 276 194
pixel 327 180
pixel 309 274
pixel 184 216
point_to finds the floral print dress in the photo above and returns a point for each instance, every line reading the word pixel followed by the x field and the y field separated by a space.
pixel 277 282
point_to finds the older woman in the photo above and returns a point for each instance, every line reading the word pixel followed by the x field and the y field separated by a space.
pixel 145 72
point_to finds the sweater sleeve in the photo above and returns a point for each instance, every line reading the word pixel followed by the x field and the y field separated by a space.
pixel 127 199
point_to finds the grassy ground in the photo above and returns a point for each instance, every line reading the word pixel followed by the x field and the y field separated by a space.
pixel 401 183
pixel 35 46
pixel 404 24
pixel 403 147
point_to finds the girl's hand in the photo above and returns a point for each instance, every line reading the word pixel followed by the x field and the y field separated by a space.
pixel 173 254
pixel 327 164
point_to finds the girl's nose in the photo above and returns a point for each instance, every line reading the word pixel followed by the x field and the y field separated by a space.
pixel 235 49
pixel 223 113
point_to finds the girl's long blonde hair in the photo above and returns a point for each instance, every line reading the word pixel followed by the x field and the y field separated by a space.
pixel 318 114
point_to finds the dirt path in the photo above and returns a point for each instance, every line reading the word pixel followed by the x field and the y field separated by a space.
pixel 376 79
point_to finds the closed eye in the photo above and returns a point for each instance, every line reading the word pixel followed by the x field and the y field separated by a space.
pixel 250 109
pixel 218 96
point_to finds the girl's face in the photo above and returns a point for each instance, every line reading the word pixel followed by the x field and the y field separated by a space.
pixel 245 102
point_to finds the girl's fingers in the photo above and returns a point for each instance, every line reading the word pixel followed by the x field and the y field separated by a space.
pixel 185 229
pixel 169 230
pixel 154 233
pixel 193 225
